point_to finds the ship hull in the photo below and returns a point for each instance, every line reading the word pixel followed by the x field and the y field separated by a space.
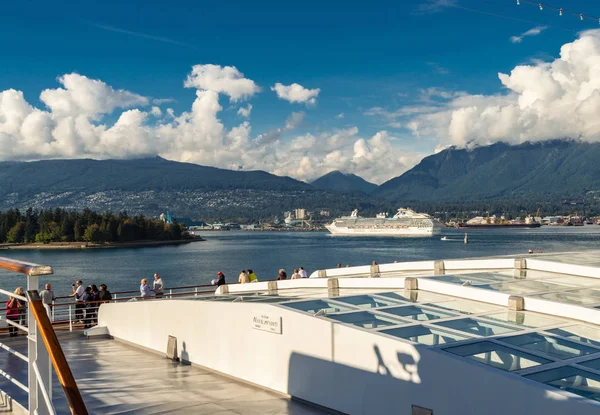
pixel 403 233
pixel 502 226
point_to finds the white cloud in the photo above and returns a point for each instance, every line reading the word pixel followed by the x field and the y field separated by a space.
pixel 296 93
pixel 545 100
pixel 160 101
pixel 74 126
pixel 221 79
pixel 84 96
pixel 531 32
pixel 245 111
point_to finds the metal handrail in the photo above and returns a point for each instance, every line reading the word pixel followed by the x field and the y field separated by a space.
pixel 26 268
pixel 59 361
pixel 38 356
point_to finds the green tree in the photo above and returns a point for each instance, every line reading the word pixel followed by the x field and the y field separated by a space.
pixel 16 234
pixel 93 234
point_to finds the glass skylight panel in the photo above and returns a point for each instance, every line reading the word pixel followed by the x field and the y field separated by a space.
pixel 365 319
pixel 575 281
pixel 478 327
pixel 415 296
pixel 523 318
pixel 569 297
pixel 465 306
pixel 262 299
pixel 552 346
pixel 571 379
pixel 523 287
pixel 579 332
pixel 425 335
pixel 367 301
pixel 592 364
pixel 418 313
pixel 500 357
pixel 314 306
pixel 460 280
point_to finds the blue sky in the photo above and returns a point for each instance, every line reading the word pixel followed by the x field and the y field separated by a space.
pixel 361 55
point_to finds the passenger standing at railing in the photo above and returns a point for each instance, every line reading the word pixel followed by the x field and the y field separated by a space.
pixel 282 275
pixel 92 308
pixel 158 287
pixel 243 278
pixel 12 314
pixel 48 299
pixel 78 291
pixel 220 281
pixel 22 306
pixel 252 276
pixel 145 288
pixel 303 273
pixel 89 314
pixel 296 275
pixel 104 294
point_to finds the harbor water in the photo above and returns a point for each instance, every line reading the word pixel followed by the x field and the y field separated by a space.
pixel 266 252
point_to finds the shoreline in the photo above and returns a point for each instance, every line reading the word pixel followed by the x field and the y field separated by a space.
pixel 87 245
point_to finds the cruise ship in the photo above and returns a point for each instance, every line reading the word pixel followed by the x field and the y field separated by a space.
pixel 406 222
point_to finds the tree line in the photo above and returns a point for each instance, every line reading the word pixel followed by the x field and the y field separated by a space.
pixel 61 225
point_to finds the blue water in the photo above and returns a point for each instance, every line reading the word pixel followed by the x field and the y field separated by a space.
pixel 266 252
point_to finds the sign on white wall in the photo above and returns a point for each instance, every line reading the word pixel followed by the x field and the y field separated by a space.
pixel 266 322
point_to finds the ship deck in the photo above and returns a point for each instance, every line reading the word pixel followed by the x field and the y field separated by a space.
pixel 116 378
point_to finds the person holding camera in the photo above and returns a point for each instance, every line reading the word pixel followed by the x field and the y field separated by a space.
pixel 78 292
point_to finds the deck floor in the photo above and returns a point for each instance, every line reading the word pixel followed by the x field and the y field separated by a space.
pixel 115 378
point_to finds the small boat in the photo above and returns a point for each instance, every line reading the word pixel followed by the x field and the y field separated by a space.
pixel 444 238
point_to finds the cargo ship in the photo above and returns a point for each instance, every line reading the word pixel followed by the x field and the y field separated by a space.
pixel 498 223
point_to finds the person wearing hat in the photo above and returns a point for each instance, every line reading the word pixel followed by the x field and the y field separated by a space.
pixel 221 280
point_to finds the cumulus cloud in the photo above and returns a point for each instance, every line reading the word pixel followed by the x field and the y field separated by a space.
pixel 221 79
pixel 545 100
pixel 531 32
pixel 245 111
pixel 75 124
pixel 296 93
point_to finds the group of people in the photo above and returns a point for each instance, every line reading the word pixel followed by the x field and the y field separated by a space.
pixel 87 301
pixel 298 273
pixel 157 290
pixel 247 276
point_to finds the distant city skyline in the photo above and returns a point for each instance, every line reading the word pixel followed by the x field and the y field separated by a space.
pixel 294 90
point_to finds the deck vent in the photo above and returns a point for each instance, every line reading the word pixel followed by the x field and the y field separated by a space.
pixel 172 349
pixel 419 410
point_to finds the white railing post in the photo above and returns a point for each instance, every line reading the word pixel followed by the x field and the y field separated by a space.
pixel 170 293
pixel 52 313
pixel 196 292
pixel 37 355
pixel 70 318
pixel 115 297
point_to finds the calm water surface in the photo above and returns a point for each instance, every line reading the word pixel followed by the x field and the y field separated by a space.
pixel 266 252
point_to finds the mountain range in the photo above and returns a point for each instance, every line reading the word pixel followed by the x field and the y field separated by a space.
pixel 341 182
pixel 549 170
pixel 545 171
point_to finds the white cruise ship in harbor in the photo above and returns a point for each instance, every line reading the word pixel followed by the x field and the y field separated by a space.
pixel 406 222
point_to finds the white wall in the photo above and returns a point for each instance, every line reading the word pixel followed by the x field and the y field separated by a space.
pixel 330 364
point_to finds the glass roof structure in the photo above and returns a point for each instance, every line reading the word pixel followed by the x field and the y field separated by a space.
pixel 544 345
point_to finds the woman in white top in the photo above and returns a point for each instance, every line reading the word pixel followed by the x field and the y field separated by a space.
pixel 243 279
pixel 145 288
